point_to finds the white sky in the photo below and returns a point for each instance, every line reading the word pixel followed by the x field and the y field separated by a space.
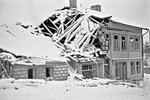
pixel 134 12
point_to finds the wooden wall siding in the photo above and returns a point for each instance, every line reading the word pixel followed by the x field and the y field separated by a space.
pixel 116 28
pixel 147 70
pixel 116 25
pixel 60 72
pixel 20 72
pixel 40 72
pixel 129 76
pixel 124 54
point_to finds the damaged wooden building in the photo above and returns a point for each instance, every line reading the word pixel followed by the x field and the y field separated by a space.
pixel 32 68
pixel 96 45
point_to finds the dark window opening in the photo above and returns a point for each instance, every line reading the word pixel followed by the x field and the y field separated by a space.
pixel 123 43
pixel 137 43
pixel 30 73
pixel 47 72
pixel 115 37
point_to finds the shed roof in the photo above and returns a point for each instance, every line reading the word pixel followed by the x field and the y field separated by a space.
pixel 25 42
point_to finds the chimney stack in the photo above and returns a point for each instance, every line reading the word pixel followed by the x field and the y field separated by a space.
pixel 73 4
pixel 96 8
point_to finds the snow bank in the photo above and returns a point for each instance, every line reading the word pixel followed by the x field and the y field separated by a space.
pixel 9 84
pixel 20 83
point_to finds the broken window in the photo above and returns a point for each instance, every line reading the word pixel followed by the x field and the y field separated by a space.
pixel 138 67
pixel 106 43
pixel 132 64
pixel 89 71
pixel 123 43
pixel 137 43
pixel 116 42
pixel 131 43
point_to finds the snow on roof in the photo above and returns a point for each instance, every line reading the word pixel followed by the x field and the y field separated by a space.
pixel 7 56
pixel 31 61
pixel 21 41
pixel 96 13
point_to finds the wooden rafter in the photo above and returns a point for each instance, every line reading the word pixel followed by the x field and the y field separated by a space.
pixel 52 22
pixel 47 29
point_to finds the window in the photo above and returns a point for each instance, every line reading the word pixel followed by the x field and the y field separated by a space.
pixel 138 67
pixel 132 64
pixel 131 43
pixel 116 42
pixel 137 43
pixel 85 67
pixel 89 71
pixel 123 43
pixel 105 46
pixel 116 69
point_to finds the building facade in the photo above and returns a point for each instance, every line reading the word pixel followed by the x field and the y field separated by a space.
pixel 88 68
pixel 51 70
pixel 125 51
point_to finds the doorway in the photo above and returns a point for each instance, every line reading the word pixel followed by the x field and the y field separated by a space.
pixel 124 70
pixel 30 73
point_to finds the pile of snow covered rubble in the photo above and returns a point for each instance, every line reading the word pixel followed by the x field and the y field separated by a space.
pixel 11 89
pixel 12 83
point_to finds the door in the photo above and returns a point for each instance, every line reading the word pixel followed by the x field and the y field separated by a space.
pixel 30 73
pixel 124 70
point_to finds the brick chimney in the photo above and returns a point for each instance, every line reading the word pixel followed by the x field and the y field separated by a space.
pixel 73 3
pixel 96 7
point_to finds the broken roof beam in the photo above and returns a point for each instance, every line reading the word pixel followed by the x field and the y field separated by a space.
pixel 53 23
pixel 70 30
pixel 88 39
pixel 47 29
pixel 73 33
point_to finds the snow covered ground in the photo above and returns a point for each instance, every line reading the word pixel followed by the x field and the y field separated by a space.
pixel 98 89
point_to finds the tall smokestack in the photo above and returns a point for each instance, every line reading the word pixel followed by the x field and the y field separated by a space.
pixel 73 3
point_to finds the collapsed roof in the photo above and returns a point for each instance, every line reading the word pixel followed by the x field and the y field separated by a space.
pixel 78 34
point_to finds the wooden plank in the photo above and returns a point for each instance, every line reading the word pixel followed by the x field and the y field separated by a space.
pixel 53 23
pixel 47 29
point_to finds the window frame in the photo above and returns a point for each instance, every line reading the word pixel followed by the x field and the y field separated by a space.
pixel 125 41
pixel 116 41
pixel 137 49
pixel 132 46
